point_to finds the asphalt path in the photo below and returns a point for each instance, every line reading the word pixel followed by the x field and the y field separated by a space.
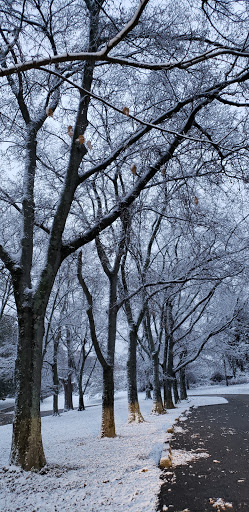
pixel 7 413
pixel 221 480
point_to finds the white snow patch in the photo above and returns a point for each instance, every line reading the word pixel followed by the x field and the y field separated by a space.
pixel 87 473
pixel 237 389
pixel 181 457
pixel 208 400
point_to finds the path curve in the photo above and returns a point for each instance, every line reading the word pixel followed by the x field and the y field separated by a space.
pixel 221 480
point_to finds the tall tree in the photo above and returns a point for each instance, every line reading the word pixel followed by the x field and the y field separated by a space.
pixel 76 53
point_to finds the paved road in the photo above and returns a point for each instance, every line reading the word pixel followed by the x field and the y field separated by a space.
pixel 221 481
pixel 7 414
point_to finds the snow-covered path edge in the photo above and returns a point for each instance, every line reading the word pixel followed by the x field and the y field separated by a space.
pixel 86 473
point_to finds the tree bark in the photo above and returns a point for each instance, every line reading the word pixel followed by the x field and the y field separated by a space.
pixel 183 387
pixel 81 394
pixel 27 449
pixel 81 400
pixel 169 368
pixel 68 392
pixel 68 385
pixel 148 393
pixel 134 413
pixel 108 423
pixel 175 391
pixel 225 371
pixel 55 376
pixel 157 407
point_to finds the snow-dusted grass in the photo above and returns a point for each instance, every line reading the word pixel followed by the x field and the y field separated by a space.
pixel 86 473
pixel 236 389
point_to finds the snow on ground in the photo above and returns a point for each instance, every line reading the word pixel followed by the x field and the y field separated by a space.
pixel 87 473
pixel 236 389
pixel 180 457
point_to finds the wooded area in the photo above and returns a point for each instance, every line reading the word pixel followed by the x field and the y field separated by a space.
pixel 123 196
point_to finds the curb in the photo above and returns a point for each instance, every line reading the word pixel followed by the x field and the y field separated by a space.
pixel 166 456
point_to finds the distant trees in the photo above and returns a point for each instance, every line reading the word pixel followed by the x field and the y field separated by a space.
pixel 146 93
pixel 8 336
pixel 8 341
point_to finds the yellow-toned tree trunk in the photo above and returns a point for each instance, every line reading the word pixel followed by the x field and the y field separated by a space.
pixel 108 423
pixel 27 449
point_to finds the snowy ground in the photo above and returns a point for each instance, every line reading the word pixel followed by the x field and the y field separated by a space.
pixel 86 473
pixel 237 389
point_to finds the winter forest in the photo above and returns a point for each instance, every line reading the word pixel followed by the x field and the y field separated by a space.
pixel 124 204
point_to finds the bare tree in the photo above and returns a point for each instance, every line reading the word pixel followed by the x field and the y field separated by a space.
pixel 60 78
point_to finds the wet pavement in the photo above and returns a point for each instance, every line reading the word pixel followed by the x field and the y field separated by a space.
pixel 221 480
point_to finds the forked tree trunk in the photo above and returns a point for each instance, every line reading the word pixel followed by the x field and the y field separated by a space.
pixel 134 413
pixel 183 387
pixel 108 424
pixel 27 449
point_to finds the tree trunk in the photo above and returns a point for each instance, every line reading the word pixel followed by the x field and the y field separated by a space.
pixel 169 368
pixel 108 424
pixel 81 394
pixel 183 387
pixel 55 377
pixel 27 449
pixel 68 393
pixel 175 391
pixel 157 407
pixel 168 394
pixel 81 400
pixel 148 393
pixel 225 371
pixel 134 413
